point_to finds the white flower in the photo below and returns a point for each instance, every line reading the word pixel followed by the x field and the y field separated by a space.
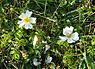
pixel 44 41
pixel 27 20
pixel 35 62
pixel 48 60
pixel 35 40
pixel 48 37
pixel 69 35
pixel 46 48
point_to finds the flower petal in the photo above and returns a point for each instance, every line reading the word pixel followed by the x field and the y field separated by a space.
pixel 35 40
pixel 71 28
pixel 67 30
pixel 63 38
pixel 28 26
pixel 33 20
pixel 75 36
pixel 22 16
pixel 48 60
pixel 64 30
pixel 70 40
pixel 35 62
pixel 28 13
pixel 21 23
pixel 47 47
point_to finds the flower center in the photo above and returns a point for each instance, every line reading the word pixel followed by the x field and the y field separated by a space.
pixel 26 20
pixel 69 35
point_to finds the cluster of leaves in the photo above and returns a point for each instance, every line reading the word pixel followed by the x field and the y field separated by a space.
pixel 16 44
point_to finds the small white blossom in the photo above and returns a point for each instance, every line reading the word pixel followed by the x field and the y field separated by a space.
pixel 35 62
pixel 69 35
pixel 27 20
pixel 44 41
pixel 48 60
pixel 48 37
pixel 35 40
pixel 46 48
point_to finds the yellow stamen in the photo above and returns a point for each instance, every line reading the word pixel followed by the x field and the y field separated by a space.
pixel 26 20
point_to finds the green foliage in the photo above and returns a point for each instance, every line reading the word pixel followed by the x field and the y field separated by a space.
pixel 16 44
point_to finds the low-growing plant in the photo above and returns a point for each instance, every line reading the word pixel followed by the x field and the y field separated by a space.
pixel 47 34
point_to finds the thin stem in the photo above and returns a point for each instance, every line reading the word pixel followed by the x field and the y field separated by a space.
pixel 45 17
pixel 45 7
pixel 56 9
pixel 5 66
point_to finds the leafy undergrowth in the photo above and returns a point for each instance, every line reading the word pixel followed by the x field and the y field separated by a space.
pixel 20 50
